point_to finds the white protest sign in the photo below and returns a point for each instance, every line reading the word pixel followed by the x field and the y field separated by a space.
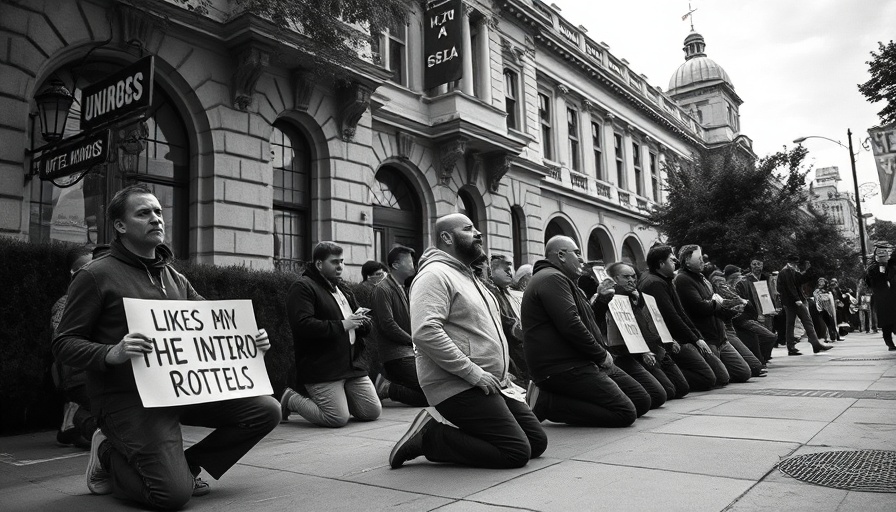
pixel 203 351
pixel 657 318
pixel 765 298
pixel 600 274
pixel 622 326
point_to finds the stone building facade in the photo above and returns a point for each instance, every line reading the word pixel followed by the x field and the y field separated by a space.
pixel 255 158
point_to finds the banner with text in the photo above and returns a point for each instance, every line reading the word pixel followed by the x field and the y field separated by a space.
pixel 442 42
pixel 203 351
pixel 657 318
pixel 883 146
pixel 622 326
pixel 760 288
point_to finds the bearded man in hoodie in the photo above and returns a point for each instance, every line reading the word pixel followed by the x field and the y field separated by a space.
pixel 143 459
pixel 462 361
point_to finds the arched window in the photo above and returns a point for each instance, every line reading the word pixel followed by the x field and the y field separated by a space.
pixel 291 160
pixel 67 212
pixel 397 217
pixel 467 206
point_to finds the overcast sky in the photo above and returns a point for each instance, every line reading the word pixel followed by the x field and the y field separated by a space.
pixel 794 63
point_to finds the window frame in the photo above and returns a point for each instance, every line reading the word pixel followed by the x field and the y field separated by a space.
pixel 597 148
pixel 546 124
pixel 573 147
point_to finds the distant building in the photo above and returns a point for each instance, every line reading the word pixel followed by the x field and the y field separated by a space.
pixel 255 159
pixel 839 207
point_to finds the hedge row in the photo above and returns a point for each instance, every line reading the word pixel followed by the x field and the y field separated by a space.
pixel 34 276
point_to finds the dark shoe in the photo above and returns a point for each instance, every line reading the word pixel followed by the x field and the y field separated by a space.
pixel 98 479
pixel 532 393
pixel 892 349
pixel 284 403
pixel 821 348
pixel 794 352
pixel 382 387
pixel 410 446
pixel 200 487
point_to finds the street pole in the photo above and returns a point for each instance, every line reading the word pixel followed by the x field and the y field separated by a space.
pixel 855 181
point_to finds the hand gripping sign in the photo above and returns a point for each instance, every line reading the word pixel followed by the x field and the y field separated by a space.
pixel 622 326
pixel 203 351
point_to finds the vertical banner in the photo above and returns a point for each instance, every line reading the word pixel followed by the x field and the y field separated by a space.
pixel 622 327
pixel 760 289
pixel 442 42
pixel 203 351
pixel 883 145
pixel 657 318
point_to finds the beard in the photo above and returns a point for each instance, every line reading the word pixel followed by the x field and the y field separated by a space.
pixel 470 251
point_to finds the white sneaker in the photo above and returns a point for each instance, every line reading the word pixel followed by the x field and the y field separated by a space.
pixel 98 479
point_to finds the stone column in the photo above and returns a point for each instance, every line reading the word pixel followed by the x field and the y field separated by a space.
pixel 484 71
pixel 415 52
pixel 466 81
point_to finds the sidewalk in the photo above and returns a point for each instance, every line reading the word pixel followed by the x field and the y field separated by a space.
pixel 708 452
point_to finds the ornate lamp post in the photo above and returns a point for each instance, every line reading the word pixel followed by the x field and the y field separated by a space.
pixel 53 104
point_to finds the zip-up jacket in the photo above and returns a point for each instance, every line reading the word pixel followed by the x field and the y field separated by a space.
pixel 660 288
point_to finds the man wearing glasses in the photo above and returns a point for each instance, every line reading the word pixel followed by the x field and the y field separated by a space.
pixel 694 355
pixel 574 379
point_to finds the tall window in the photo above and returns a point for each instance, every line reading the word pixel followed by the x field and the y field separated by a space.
pixel 544 116
pixel 518 228
pixel 636 159
pixel 511 99
pixel 397 34
pixel 291 159
pixel 620 161
pixel 598 153
pixel 655 177
pixel 572 124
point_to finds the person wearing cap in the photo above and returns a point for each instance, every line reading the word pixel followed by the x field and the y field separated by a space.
pixel 881 278
pixel 789 287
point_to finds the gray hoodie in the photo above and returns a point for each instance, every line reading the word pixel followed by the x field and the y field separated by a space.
pixel 456 327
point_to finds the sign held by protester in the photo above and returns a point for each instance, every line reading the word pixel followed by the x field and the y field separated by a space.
pixel 657 318
pixel 765 298
pixel 203 351
pixel 442 42
pixel 622 327
pixel 600 274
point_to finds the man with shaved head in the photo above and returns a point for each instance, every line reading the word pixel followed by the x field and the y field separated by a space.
pixel 574 379
pixel 462 360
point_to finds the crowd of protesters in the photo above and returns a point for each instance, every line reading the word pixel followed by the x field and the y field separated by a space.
pixel 488 352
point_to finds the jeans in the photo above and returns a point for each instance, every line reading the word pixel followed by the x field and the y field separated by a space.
pixel 631 364
pixel 791 313
pixel 757 337
pixel 697 371
pixel 587 396
pixel 493 431
pixel 746 354
pixel 675 382
pixel 404 386
pixel 831 325
pixel 738 369
pixel 331 404
pixel 147 460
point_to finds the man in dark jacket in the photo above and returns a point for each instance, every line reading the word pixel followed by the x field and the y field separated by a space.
pixel 392 316
pixel 701 368
pixel 574 379
pixel 665 378
pixel 705 308
pixel 328 333
pixel 789 286
pixel 143 457
pixel 881 278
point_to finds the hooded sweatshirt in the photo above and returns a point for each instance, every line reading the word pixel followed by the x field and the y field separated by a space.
pixel 94 319
pixel 456 327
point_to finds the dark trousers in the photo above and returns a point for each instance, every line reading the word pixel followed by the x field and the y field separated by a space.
pixel 667 368
pixel 831 325
pixel 697 371
pixel 589 396
pixel 753 362
pixel 493 431
pixel 887 330
pixel 404 387
pixel 758 339
pixel 631 364
pixel 736 368
pixel 147 459
pixel 791 313
pixel 84 420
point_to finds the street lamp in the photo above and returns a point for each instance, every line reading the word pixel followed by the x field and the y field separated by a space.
pixel 53 104
pixel 855 181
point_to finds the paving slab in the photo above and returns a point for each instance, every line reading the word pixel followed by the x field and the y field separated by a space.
pixel 576 485
pixel 792 407
pixel 874 415
pixel 857 436
pixel 735 458
pixel 764 429
pixel 792 496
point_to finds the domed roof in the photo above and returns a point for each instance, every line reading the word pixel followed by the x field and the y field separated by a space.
pixel 696 70
pixel 697 66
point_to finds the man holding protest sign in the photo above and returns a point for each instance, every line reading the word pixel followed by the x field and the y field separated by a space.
pixel 574 379
pixel 143 459
pixel 328 330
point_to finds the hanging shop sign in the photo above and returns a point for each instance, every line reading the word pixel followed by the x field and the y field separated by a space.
pixel 120 94
pixel 73 155
pixel 442 42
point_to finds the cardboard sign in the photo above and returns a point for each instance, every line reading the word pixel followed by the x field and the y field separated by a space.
pixel 204 351
pixel 600 274
pixel 657 318
pixel 760 288
pixel 622 327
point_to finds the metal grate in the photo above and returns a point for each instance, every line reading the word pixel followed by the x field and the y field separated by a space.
pixel 815 393
pixel 862 470
pixel 840 359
